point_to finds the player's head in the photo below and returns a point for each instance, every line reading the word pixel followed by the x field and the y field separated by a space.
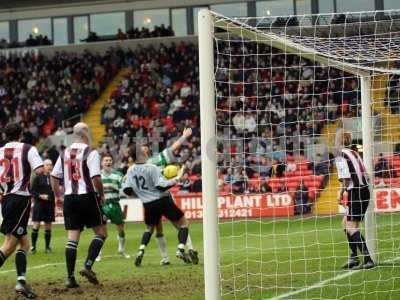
pixel 139 156
pixel 107 162
pixel 13 132
pixel 48 166
pixel 343 139
pixel 146 149
pixel 81 131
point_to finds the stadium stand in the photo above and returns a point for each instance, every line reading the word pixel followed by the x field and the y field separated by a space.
pixel 41 92
pixel 164 89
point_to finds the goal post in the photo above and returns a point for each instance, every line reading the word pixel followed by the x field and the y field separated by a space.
pixel 367 142
pixel 208 157
pixel 268 91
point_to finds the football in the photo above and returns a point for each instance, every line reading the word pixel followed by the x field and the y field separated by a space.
pixel 171 171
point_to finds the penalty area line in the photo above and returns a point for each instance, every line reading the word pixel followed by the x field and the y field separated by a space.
pixel 326 281
pixel 51 265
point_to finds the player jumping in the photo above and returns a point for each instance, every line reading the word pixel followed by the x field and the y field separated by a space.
pixel 112 183
pixel 161 160
pixel 17 160
pixel 145 181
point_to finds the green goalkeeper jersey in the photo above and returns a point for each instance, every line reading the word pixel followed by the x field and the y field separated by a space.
pixel 161 159
pixel 112 183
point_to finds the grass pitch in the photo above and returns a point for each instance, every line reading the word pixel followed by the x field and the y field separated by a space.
pixel 297 258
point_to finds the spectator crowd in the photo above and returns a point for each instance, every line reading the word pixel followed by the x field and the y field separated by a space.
pixel 40 92
pixel 266 116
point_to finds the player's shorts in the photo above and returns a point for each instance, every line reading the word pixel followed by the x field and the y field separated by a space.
pixel 153 211
pixel 82 211
pixel 43 211
pixel 358 200
pixel 15 210
pixel 113 212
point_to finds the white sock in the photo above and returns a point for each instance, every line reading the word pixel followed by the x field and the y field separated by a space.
pixel 121 244
pixel 162 244
pixel 189 243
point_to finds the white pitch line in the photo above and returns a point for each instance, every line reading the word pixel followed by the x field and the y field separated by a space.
pixel 324 282
pixel 52 265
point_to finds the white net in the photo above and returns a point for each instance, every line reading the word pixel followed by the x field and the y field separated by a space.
pixel 284 87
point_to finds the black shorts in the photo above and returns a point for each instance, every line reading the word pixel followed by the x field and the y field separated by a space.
pixel 15 210
pixel 43 211
pixel 358 200
pixel 153 211
pixel 82 211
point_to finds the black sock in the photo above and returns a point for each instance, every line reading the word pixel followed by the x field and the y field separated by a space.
pixel 352 245
pixel 183 235
pixel 20 265
pixel 2 258
pixel 70 257
pixel 47 238
pixel 94 250
pixel 145 239
pixel 362 245
pixel 34 237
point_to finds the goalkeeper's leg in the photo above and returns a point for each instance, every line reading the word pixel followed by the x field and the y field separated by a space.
pixel 194 256
pixel 145 240
pixel 183 233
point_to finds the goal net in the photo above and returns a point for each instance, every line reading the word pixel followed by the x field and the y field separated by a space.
pixel 276 93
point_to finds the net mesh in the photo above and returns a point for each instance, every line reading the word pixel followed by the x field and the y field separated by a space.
pixel 282 94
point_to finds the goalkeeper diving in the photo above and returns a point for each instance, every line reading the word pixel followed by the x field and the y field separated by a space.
pixel 147 183
pixel 161 160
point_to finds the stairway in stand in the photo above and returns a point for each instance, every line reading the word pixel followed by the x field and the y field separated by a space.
pixel 93 116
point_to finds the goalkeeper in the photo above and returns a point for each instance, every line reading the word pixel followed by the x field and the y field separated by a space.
pixel 161 160
pixel 112 182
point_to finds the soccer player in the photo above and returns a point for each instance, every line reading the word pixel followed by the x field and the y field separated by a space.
pixel 145 181
pixel 161 160
pixel 43 207
pixel 354 181
pixel 17 161
pixel 112 183
pixel 79 167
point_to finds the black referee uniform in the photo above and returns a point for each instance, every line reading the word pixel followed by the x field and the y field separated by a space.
pixel 43 209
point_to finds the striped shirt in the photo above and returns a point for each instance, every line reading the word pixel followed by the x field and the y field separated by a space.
pixel 77 165
pixel 350 166
pixel 112 183
pixel 162 159
pixel 17 160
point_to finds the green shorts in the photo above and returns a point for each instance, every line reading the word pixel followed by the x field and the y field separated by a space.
pixel 113 211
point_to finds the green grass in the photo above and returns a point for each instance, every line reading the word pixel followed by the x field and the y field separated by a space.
pixel 260 259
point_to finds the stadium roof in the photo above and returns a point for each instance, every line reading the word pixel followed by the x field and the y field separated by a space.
pixel 21 4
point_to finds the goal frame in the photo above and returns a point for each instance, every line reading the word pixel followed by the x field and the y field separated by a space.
pixel 208 132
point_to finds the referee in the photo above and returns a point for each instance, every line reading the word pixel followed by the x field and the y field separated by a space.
pixel 354 181
pixel 43 206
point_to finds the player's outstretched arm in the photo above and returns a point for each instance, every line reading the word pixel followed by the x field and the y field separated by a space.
pixel 187 132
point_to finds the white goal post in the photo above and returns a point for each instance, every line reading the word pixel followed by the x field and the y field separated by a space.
pixel 208 22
